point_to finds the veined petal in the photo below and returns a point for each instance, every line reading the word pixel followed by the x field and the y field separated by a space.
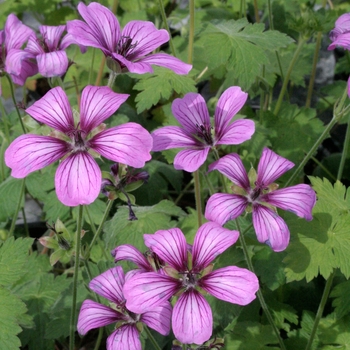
pixel 191 111
pixel 16 33
pixel 342 40
pixel 230 102
pixel 145 38
pixel 53 110
pixel 52 35
pixel 145 291
pixel 170 245
pixel 192 318
pixel 33 45
pixel 222 207
pixel 239 131
pixel 159 318
pixel 191 159
pixel 78 180
pixel 342 25
pixel 110 285
pixel 28 153
pixel 271 167
pixel 69 39
pixel 169 137
pixel 103 23
pixel 167 61
pixel 129 144
pixel 270 228
pixel 52 64
pixel 299 199
pixel 94 315
pixel 97 104
pixel 125 337
pixel 232 284
pixel 210 241
pixel 232 167
pixel 130 253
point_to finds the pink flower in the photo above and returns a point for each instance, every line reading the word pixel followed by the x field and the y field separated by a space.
pixel 130 48
pixel 78 176
pixel 197 135
pixel 18 63
pixel 262 197
pixel 126 335
pixel 192 319
pixel 340 35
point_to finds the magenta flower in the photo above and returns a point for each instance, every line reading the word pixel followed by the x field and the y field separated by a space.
pixel 263 197
pixel 192 319
pixel 49 50
pixel 126 335
pixel 78 176
pixel 340 35
pixel 130 48
pixel 196 134
pixel 18 63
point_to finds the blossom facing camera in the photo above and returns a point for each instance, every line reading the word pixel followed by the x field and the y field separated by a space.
pixel 261 196
pixel 130 49
pixel 196 133
pixel 126 334
pixel 189 276
pixel 78 176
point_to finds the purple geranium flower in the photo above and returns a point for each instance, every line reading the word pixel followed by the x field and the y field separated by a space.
pixel 18 63
pixel 129 48
pixel 49 50
pixel 340 35
pixel 196 134
pixel 263 196
pixel 78 177
pixel 126 336
pixel 192 319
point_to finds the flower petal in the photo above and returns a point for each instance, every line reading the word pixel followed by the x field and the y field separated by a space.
pixel 223 207
pixel 145 38
pixel 230 102
pixel 78 180
pixel 167 61
pixel 28 153
pixel 172 137
pixel 170 245
pixel 16 33
pixel 125 337
pixel 110 285
pixel 342 40
pixel 159 318
pixel 132 67
pixel 191 111
pixel 271 167
pixel 94 315
pixel 191 159
pixel 52 64
pixel 145 291
pixel 210 241
pixel 129 144
pixel 192 318
pixel 232 167
pixel 54 110
pixel 239 131
pixel 130 253
pixel 299 199
pixel 270 228
pixel 52 35
pixel 97 104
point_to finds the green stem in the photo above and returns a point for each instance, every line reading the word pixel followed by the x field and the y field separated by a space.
pixel 197 195
pixel 151 338
pixel 345 151
pixel 259 293
pixel 99 338
pixel 289 72
pixel 92 66
pixel 112 76
pixel 313 71
pixel 270 13
pixel 5 119
pixel 93 228
pixel 15 104
pixel 162 12
pixel 191 33
pixel 18 208
pixel 323 168
pixel 256 12
pixel 75 279
pixel 189 184
pixel 320 309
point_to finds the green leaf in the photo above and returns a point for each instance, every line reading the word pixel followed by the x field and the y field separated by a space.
pixel 334 333
pixel 40 182
pixel 160 85
pixel 13 259
pixel 96 211
pixel 53 208
pixel 323 244
pixel 341 302
pixel 241 46
pixel 10 191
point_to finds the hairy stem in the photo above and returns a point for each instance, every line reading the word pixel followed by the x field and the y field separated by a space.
pixel 151 338
pixel 345 152
pixel 162 12
pixel 198 197
pixel 191 33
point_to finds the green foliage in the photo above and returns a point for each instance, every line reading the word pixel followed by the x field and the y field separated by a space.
pixel 334 333
pixel 341 302
pixel 10 191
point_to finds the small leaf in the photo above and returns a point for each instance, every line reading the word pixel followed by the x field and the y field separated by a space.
pixel 10 191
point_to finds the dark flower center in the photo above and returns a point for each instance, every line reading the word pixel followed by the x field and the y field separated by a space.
pixel 189 279
pixel 204 132
pixel 79 143
pixel 125 46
